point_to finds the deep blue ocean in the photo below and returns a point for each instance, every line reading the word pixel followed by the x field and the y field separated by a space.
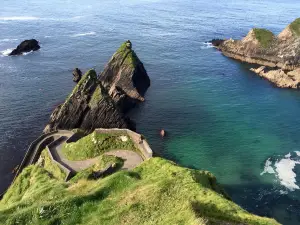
pixel 219 116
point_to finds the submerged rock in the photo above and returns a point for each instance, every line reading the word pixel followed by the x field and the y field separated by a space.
pixel 88 107
pixel 125 78
pixel 262 47
pixel 77 75
pixel 26 46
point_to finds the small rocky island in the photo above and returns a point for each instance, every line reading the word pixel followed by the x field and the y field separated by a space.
pixel 102 101
pixel 278 56
pixel 26 46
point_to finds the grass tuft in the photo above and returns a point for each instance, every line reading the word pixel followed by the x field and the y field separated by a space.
pixel 264 37
pixel 295 27
pixel 51 166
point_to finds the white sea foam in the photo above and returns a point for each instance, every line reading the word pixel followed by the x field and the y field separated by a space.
pixel 84 34
pixel 288 155
pixel 283 192
pixel 268 167
pixel 206 45
pixel 6 52
pixel 18 18
pixel 8 40
pixel 286 175
pixel 284 170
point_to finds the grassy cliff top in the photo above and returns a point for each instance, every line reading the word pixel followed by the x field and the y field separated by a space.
pixel 295 27
pixel 264 37
pixel 156 192
pixel 96 144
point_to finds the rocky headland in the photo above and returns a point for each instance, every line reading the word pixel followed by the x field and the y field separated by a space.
pixel 102 101
pixel 26 46
pixel 280 55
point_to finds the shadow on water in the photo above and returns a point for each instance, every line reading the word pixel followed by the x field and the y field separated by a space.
pixel 261 200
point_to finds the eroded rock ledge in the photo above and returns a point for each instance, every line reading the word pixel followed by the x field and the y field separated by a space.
pixel 279 54
pixel 101 102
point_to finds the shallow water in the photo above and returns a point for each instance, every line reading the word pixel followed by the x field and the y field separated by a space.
pixel 219 116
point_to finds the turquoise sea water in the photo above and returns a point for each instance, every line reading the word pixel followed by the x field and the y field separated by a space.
pixel 218 115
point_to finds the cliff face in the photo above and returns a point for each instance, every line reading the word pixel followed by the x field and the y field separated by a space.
pixel 88 107
pixel 100 102
pixel 125 78
pixel 262 47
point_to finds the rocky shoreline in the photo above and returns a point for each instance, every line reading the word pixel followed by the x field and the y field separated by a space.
pixel 280 55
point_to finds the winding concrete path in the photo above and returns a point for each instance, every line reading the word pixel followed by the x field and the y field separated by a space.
pixel 131 158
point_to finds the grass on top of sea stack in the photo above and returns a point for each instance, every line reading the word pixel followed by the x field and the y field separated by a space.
pixel 129 57
pixel 156 192
pixel 295 27
pixel 96 144
pixel 264 37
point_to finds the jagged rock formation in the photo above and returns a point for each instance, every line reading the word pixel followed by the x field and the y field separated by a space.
pixel 281 78
pixel 262 47
pixel 88 107
pixel 77 74
pixel 26 46
pixel 125 78
pixel 101 102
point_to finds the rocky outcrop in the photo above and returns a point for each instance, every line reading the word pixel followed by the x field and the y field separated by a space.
pixel 279 77
pixel 26 46
pixel 262 47
pixel 101 102
pixel 125 78
pixel 88 107
pixel 77 74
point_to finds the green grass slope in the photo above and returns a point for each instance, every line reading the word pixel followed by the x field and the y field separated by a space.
pixel 156 192
pixel 94 145
pixel 264 37
pixel 295 27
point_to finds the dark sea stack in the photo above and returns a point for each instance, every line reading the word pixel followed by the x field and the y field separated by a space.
pixel 26 46
pixel 125 78
pixel 280 53
pixel 88 107
pixel 217 42
pixel 77 74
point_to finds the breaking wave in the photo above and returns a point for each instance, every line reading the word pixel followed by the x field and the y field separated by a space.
pixel 283 168
pixel 84 34
pixel 6 51
pixel 18 18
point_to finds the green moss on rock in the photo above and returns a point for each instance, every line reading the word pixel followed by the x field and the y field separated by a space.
pixel 90 75
pixel 264 37
pixel 128 55
pixel 295 27
pixel 96 97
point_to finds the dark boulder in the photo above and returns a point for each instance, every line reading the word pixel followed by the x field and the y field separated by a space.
pixel 77 75
pixel 217 42
pixel 26 46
